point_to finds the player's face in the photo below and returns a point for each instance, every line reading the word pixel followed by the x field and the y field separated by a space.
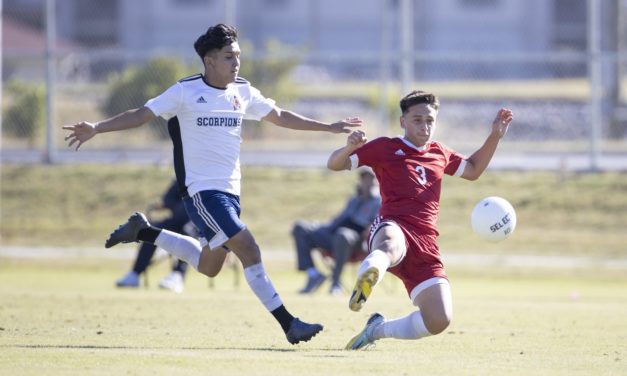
pixel 223 65
pixel 419 123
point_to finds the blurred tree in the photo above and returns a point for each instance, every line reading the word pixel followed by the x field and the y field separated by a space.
pixel 270 73
pixel 24 115
pixel 138 84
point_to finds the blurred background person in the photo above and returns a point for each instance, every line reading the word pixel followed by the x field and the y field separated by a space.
pixel 176 221
pixel 344 235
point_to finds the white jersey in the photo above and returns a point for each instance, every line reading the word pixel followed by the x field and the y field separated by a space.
pixel 205 126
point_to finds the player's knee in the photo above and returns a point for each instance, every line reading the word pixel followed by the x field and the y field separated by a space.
pixel 210 270
pixel 436 325
pixel 248 252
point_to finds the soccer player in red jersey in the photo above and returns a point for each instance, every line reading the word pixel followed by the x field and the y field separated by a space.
pixel 403 237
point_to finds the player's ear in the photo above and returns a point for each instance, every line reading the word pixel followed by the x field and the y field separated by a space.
pixel 402 121
pixel 207 60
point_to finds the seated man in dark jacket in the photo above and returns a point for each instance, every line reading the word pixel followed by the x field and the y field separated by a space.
pixel 344 235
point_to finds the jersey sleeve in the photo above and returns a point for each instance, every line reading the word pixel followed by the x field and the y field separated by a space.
pixel 259 106
pixel 455 162
pixel 367 154
pixel 167 104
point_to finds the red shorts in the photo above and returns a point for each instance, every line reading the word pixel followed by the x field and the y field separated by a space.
pixel 422 260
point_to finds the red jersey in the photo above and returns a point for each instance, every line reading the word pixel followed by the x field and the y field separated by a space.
pixel 410 178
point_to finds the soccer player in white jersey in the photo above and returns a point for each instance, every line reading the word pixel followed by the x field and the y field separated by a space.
pixel 205 115
pixel 403 238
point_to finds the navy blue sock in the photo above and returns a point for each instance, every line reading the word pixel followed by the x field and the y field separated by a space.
pixel 283 317
pixel 149 234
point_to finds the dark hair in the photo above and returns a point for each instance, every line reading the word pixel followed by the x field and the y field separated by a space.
pixel 418 97
pixel 216 37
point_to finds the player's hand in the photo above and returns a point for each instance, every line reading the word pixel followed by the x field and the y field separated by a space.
pixel 356 140
pixel 343 126
pixel 501 122
pixel 80 133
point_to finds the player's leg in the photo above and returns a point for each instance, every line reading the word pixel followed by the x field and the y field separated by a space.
pixel 186 248
pixel 387 248
pixel 432 296
pixel 436 305
pixel 211 261
pixel 216 214
pixel 245 248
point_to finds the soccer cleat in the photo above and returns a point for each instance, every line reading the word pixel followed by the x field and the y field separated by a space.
pixel 313 283
pixel 131 279
pixel 173 281
pixel 365 339
pixel 127 232
pixel 363 288
pixel 301 331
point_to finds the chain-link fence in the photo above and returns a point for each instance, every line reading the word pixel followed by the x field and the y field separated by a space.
pixel 560 65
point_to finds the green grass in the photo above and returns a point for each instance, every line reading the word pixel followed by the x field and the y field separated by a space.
pixel 78 206
pixel 64 317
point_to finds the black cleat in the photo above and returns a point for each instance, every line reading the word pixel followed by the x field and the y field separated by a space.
pixel 127 232
pixel 301 331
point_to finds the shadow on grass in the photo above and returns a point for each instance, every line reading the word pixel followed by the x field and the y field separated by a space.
pixel 104 347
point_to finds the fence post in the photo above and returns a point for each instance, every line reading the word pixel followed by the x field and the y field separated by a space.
pixel 595 80
pixel 406 10
pixel 384 70
pixel 1 75
pixel 51 37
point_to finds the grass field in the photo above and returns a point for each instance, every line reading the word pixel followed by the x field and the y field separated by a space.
pixel 63 316
pixel 77 206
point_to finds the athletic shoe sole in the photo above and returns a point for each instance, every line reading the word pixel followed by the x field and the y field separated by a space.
pixel 363 289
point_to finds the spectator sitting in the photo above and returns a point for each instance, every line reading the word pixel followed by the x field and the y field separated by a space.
pixel 342 236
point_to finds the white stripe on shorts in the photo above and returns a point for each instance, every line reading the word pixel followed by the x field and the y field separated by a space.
pixel 422 286
pixel 220 237
pixel 204 214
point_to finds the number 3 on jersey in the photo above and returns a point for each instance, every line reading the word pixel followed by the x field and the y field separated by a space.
pixel 422 175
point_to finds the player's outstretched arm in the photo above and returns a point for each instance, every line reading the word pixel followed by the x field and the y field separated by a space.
pixel 340 159
pixel 292 120
pixel 83 131
pixel 479 160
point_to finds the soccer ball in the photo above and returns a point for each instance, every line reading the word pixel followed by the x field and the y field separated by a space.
pixel 493 219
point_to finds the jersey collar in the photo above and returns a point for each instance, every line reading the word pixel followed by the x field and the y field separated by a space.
pixel 204 79
pixel 408 143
